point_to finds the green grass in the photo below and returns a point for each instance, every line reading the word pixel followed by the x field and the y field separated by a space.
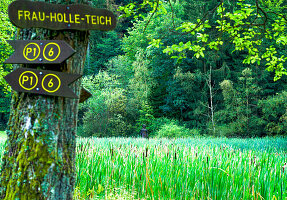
pixel 202 168
pixel 182 169
pixel 3 135
pixel 3 138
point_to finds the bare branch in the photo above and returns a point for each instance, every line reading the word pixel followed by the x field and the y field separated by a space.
pixel 157 3
pixel 264 13
pixel 280 15
pixel 172 13
pixel 202 20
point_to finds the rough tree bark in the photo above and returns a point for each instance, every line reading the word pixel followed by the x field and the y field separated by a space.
pixel 39 159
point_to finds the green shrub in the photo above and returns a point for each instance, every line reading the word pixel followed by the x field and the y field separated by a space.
pixel 173 130
pixel 117 126
pixel 105 113
pixel 274 114
pixel 226 130
pixel 243 127
pixel 80 131
pixel 156 124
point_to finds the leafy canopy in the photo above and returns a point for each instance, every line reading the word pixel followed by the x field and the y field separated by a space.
pixel 255 27
pixel 7 31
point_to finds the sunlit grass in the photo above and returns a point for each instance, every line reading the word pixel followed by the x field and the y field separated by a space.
pixel 183 169
pixel 3 135
pixel 202 168
pixel 3 138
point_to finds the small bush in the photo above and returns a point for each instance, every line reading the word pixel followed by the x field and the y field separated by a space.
pixel 244 127
pixel 226 130
pixel 81 132
pixel 274 114
pixel 173 130
pixel 105 113
pixel 157 124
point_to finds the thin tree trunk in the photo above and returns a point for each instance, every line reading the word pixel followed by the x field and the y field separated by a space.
pixel 211 99
pixel 39 158
pixel 88 56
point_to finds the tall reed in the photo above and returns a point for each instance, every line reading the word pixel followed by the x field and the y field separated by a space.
pixel 201 168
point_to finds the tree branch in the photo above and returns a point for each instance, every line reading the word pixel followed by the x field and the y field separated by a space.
pixel 280 15
pixel 202 20
pixel 157 3
pixel 172 13
pixel 264 13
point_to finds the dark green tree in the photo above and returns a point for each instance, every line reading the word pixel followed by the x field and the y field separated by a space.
pixel 240 115
pixel 274 114
pixel 102 47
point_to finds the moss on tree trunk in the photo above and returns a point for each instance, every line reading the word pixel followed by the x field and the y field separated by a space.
pixel 39 159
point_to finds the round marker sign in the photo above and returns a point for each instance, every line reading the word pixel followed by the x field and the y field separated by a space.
pixel 40 51
pixel 51 83
pixel 28 80
pixel 31 51
pixel 42 82
pixel 51 51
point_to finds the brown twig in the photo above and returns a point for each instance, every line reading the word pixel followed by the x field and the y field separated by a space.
pixel 172 13
pixel 202 20
pixel 280 15
pixel 264 13
pixel 157 3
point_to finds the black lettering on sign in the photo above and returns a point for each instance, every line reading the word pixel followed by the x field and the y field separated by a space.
pixel 40 51
pixel 42 82
pixel 28 14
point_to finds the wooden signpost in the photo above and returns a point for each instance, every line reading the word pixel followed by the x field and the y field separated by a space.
pixel 27 14
pixel 85 94
pixel 39 159
pixel 39 51
pixel 42 82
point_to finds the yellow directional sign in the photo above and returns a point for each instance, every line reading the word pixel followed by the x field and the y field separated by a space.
pixel 39 51
pixel 42 82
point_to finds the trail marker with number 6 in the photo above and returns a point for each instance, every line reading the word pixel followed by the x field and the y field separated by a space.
pixel 39 51
pixel 42 82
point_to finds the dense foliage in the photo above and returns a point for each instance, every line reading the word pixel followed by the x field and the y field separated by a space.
pixel 183 68
pixel 7 31
pixel 212 86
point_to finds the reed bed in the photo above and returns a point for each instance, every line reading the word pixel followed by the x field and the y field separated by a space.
pixel 202 168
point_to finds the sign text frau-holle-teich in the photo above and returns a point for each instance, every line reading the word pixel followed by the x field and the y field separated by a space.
pixel 27 14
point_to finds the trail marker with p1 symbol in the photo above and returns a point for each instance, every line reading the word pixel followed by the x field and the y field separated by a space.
pixel 39 51
pixel 42 82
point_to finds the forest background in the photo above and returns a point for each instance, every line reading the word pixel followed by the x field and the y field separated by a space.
pixel 183 68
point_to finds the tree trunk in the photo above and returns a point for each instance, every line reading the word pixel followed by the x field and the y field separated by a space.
pixel 209 83
pixel 39 158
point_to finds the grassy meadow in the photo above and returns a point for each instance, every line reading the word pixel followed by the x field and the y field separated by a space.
pixel 201 168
